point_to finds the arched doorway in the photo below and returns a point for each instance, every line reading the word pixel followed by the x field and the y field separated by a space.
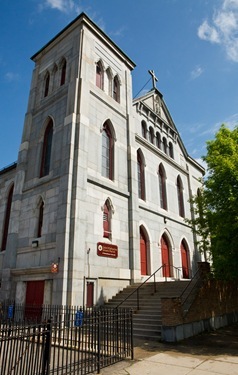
pixel 143 253
pixel 185 260
pixel 165 254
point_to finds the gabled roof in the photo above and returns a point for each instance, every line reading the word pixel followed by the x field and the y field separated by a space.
pixel 85 20
pixel 154 107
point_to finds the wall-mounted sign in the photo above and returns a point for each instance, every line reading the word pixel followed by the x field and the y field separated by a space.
pixel 107 250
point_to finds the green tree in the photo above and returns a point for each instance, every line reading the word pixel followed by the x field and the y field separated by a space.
pixel 216 207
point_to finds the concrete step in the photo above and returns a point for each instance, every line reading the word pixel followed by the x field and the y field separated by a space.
pixel 141 319
pixel 147 333
pixel 153 327
pixel 147 320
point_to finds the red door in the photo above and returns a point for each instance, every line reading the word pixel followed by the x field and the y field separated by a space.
pixel 165 258
pixel 90 293
pixel 184 256
pixel 34 299
pixel 143 255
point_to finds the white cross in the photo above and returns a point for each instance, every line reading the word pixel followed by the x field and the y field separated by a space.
pixel 154 78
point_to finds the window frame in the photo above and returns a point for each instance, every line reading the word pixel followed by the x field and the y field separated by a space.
pixel 180 197
pixel 99 75
pixel 140 176
pixel 46 84
pixel 107 227
pixel 171 150
pixel 40 218
pixel 107 152
pixel 116 89
pixel 63 72
pixel 151 135
pixel 144 129
pixel 158 140
pixel 162 188
pixel 165 145
pixel 47 150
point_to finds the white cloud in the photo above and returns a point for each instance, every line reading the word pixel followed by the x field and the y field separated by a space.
pixel 65 6
pixel 223 28
pixel 196 72
pixel 12 77
pixel 208 33
pixel 230 122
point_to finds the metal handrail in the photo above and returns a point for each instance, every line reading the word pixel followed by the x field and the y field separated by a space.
pixel 137 289
pixel 196 275
pixel 153 275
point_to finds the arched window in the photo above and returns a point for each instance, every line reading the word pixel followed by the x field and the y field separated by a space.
pixel 180 196
pixel 141 176
pixel 107 215
pixel 46 150
pixel 144 129
pixel 47 84
pixel 165 147
pixel 107 152
pixel 40 219
pixel 116 89
pixel 158 140
pixel 99 75
pixel 7 219
pixel 151 134
pixel 63 72
pixel 171 150
pixel 162 188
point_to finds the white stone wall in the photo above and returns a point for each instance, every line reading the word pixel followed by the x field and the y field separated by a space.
pixel 75 191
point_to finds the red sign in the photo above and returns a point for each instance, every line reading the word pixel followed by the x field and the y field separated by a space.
pixel 107 250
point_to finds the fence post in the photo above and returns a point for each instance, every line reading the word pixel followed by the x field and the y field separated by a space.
pixel 98 322
pixel 132 339
pixel 46 350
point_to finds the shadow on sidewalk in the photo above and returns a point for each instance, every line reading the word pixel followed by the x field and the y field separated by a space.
pixel 223 341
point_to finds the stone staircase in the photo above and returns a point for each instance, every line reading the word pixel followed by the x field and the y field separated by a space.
pixel 147 320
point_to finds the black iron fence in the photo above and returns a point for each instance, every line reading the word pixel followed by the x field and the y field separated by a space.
pixel 62 340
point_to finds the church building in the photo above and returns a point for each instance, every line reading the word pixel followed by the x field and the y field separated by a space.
pixel 98 197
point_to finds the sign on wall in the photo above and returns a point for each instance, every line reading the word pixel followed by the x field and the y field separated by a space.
pixel 107 250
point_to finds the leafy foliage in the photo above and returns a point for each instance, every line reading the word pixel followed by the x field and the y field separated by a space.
pixel 216 206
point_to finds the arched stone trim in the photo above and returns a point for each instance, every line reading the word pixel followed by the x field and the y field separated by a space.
pixel 99 70
pixel 109 124
pixel 109 201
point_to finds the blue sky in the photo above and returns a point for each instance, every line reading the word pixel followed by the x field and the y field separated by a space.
pixel 192 45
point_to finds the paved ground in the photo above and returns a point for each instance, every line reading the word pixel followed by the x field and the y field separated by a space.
pixel 214 353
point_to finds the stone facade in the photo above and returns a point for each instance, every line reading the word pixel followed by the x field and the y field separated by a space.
pixel 65 93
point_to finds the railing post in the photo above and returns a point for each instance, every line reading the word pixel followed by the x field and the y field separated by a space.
pixel 47 347
pixel 132 340
pixel 98 322
pixel 154 284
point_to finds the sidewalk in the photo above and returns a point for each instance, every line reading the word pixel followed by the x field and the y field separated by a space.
pixel 214 353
